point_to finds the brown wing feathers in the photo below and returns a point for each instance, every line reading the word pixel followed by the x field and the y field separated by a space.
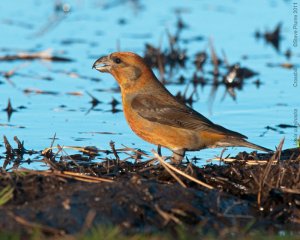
pixel 150 108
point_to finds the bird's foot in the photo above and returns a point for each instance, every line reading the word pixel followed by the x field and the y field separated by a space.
pixel 177 156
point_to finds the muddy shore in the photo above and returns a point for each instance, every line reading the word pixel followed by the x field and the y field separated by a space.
pixel 247 195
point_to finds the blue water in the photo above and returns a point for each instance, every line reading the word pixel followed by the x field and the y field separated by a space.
pixel 94 29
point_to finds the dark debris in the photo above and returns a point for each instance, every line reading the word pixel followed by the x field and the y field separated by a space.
pixel 144 196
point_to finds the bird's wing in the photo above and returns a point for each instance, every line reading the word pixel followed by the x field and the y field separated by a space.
pixel 176 115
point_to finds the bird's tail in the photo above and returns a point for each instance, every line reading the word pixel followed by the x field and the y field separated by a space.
pixel 244 143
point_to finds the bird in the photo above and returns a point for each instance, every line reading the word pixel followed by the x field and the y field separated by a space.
pixel 156 116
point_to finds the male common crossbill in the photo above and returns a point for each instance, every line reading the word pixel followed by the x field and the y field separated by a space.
pixel 156 116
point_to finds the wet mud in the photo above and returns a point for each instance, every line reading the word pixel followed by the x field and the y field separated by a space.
pixel 248 192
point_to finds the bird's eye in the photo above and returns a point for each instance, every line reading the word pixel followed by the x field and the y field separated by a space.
pixel 117 60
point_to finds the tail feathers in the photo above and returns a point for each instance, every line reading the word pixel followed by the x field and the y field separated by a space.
pixel 244 143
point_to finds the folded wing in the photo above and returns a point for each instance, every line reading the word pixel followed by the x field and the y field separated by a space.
pixel 176 115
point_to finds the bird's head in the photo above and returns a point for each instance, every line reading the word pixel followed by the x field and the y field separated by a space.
pixel 126 67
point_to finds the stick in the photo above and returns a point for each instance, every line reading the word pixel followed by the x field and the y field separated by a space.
pixel 182 173
pixel 163 163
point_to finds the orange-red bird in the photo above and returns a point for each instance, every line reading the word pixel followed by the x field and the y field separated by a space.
pixel 156 116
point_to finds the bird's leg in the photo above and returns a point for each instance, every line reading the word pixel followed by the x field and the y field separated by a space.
pixel 159 150
pixel 177 156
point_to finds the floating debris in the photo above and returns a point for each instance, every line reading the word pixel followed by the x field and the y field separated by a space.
pixel 200 59
pixel 236 75
pixel 43 55
pixel 272 37
pixel 114 103
pixel 9 110
pixel 94 102
pixel 38 91
pixel 283 125
pixel 269 128
pixel 75 93
pixel 283 65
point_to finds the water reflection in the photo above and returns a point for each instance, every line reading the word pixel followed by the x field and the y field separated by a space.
pixel 204 52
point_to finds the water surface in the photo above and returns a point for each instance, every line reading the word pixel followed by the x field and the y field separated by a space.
pixel 89 29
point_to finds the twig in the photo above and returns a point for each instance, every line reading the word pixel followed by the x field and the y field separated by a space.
pixel 214 58
pixel 290 190
pixel 182 173
pixel 50 163
pixel 10 152
pixel 166 216
pixel 20 145
pixel 6 194
pixel 112 145
pixel 35 226
pixel 81 149
pixel 66 174
pixel 248 162
pixel 88 220
pixel 221 155
pixel 267 170
pixel 62 149
pixel 136 151
pixel 163 163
